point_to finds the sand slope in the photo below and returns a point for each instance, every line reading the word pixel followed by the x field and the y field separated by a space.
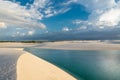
pixel 30 67
pixel 16 64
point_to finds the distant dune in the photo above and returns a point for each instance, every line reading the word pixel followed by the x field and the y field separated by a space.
pixel 69 45
pixel 80 45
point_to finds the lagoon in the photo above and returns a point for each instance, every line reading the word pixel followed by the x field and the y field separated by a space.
pixel 84 64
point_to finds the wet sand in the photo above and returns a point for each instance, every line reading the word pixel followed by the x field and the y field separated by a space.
pixel 8 60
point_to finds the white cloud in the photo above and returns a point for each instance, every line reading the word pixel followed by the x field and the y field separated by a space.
pixel 107 17
pixel 40 3
pixel 82 28
pixel 97 4
pixel 20 20
pixel 77 22
pixel 30 33
pixel 104 13
pixel 37 11
pixel 81 22
pixel 110 18
pixel 2 25
pixel 65 29
pixel 70 2
pixel 18 34
pixel 12 14
pixel 48 8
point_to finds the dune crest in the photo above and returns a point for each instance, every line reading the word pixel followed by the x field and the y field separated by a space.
pixel 30 67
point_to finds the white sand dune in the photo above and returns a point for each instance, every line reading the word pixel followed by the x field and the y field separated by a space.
pixel 16 64
pixel 66 45
pixel 16 45
pixel 30 67
pixel 79 45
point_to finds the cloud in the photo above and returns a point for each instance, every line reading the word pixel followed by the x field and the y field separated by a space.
pixel 81 35
pixel 70 2
pixel 13 14
pixel 23 32
pixel 65 29
pixel 77 22
pixel 30 33
pixel 47 8
pixel 81 22
pixel 103 14
pixel 93 5
pixel 82 28
pixel 18 34
pixel 40 3
pixel 106 17
pixel 2 25
pixel 25 20
pixel 110 18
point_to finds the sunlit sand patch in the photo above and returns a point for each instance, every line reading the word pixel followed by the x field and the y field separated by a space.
pixel 30 67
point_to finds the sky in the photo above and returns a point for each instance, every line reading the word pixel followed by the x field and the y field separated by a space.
pixel 59 19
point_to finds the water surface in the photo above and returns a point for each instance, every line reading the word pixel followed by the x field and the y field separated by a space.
pixel 84 65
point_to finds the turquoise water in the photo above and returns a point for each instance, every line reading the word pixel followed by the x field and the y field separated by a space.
pixel 84 65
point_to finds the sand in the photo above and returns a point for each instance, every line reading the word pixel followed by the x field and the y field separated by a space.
pixel 16 64
pixel 8 60
pixel 30 67
pixel 16 45
pixel 79 45
pixel 67 45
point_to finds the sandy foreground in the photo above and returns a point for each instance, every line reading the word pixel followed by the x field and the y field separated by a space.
pixel 30 67
pixel 17 64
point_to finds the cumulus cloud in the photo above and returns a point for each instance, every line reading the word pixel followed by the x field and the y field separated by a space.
pixel 103 13
pixel 13 14
pixel 94 5
pixel 110 18
pixel 23 20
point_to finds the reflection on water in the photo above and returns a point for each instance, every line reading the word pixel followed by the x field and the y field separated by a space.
pixel 85 65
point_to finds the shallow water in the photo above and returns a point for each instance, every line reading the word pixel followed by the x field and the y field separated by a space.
pixel 84 65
